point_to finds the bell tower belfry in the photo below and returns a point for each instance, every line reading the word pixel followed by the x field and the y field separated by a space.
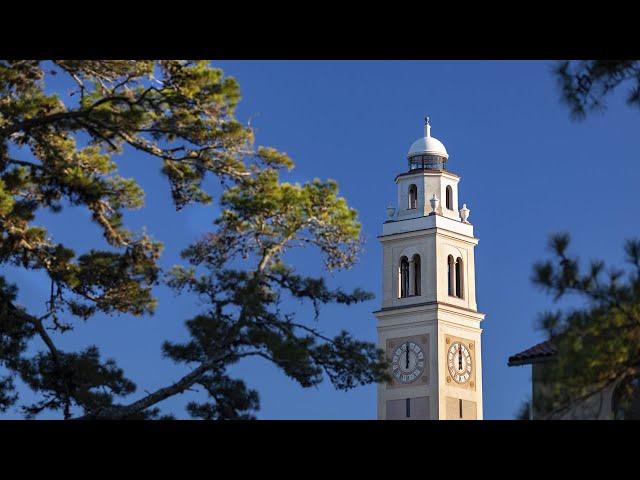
pixel 429 325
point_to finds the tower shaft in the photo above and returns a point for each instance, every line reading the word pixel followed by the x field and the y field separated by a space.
pixel 428 323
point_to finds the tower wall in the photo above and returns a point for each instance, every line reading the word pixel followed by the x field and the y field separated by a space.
pixel 428 323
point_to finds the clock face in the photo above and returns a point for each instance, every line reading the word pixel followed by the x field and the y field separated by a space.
pixel 407 363
pixel 459 362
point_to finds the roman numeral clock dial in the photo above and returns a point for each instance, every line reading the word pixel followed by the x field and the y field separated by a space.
pixel 459 362
pixel 407 363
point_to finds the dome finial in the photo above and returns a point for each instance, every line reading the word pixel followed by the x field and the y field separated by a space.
pixel 427 145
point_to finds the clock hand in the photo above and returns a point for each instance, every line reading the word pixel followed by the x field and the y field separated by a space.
pixel 460 357
pixel 407 361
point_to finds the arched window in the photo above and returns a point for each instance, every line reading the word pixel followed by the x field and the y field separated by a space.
pixel 404 277
pixel 459 279
pixel 449 197
pixel 416 275
pixel 413 196
pixel 451 275
pixel 626 400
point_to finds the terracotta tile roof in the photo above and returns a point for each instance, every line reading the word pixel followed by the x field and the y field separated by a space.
pixel 538 352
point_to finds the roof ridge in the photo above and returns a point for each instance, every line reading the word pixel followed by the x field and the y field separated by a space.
pixel 540 351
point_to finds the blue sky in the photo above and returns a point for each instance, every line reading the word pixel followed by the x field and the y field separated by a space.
pixel 527 170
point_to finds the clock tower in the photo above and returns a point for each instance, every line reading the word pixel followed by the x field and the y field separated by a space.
pixel 429 325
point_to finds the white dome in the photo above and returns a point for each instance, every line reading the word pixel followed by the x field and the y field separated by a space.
pixel 428 145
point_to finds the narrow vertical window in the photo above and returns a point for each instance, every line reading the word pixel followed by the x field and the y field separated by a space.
pixel 416 275
pixel 404 277
pixel 459 284
pixel 413 196
pixel 408 408
pixel 450 275
pixel 449 198
pixel 460 403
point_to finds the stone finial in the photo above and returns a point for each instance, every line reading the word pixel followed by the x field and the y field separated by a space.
pixel 434 203
pixel 391 210
pixel 427 127
pixel 464 213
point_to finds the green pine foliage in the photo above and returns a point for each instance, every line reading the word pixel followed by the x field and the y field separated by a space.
pixel 586 84
pixel 180 113
pixel 598 341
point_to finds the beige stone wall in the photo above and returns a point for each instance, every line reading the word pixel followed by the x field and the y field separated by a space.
pixel 458 409
pixel 460 325
pixel 427 184
pixel 434 245
pixel 393 251
pixel 402 324
pixel 434 313
pixel 408 409
pixel 437 321
pixel 598 406
pixel 456 245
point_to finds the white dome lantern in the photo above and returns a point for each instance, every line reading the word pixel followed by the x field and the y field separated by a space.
pixel 427 152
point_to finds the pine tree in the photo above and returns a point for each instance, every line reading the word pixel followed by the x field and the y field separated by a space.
pixel 597 341
pixel 180 113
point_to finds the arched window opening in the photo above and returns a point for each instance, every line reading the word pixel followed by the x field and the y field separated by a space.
pixel 626 400
pixel 404 277
pixel 459 283
pixel 450 275
pixel 416 275
pixel 449 197
pixel 413 196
